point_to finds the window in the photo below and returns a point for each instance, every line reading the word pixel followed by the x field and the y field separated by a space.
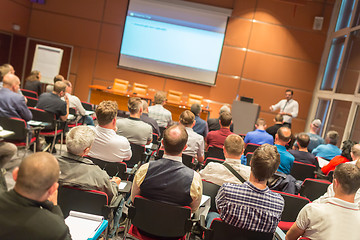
pixel 344 16
pixel 321 111
pixel 355 131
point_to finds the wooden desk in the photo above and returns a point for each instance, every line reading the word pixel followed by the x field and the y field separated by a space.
pixel 98 93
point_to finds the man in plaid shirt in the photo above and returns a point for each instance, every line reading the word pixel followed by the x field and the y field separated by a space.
pixel 252 205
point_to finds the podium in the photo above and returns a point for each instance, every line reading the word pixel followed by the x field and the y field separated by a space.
pixel 244 115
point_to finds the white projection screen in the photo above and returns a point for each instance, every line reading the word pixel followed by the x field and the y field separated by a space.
pixel 175 39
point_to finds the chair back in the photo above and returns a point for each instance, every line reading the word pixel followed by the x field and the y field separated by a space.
pixel 17 125
pixel 140 89
pixel 314 188
pixel 44 116
pixel 120 85
pixel 187 160
pixel 174 96
pixel 138 155
pixel 87 106
pixel 330 175
pixel 160 219
pixel 211 189
pixel 300 170
pixel 194 99
pixel 31 102
pixel 250 147
pixel 214 152
pixel 29 93
pixel 212 159
pixel 87 201
pixel 248 158
pixel 162 129
pixel 113 169
pixel 219 230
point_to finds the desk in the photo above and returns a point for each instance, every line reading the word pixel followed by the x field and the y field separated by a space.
pixel 98 93
pixel 5 133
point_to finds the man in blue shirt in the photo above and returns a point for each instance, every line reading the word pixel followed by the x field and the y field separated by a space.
pixel 328 150
pixel 315 139
pixel 259 136
pixel 201 126
pixel 282 137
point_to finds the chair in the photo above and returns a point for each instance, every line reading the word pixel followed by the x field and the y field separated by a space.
pixel 162 129
pixel 87 106
pixel 250 147
pixel 31 102
pixel 157 220
pixel 29 93
pixel 300 170
pixel 188 161
pixel 174 96
pixel 215 152
pixel 73 122
pixel 140 89
pixel 210 189
pixel 120 85
pixel 293 205
pixel 248 158
pixel 330 175
pixel 113 169
pixel 138 155
pixel 242 135
pixel 194 99
pixel 219 230
pixel 314 188
pixel 212 159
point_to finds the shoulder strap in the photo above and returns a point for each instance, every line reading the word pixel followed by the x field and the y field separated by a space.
pixel 236 174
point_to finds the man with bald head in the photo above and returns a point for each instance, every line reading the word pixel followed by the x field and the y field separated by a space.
pixel 30 210
pixel 283 137
pixel 13 104
pixel 168 179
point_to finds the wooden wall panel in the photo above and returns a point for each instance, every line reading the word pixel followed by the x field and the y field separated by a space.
pixel 110 38
pixel 15 13
pixel 232 60
pixel 225 90
pixel 237 32
pixel 115 11
pixel 216 3
pixel 244 9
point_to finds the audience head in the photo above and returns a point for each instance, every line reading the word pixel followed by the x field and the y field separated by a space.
pixel 4 69
pixel 315 125
pixel 159 97
pixel 225 119
pixel 233 146
pixel 60 88
pixel 135 105
pixel 348 177
pixel 175 139
pixel 223 109
pixel 9 67
pixel 79 140
pixel 260 123
pixel 187 118
pixel 68 86
pixel 145 106
pixel 279 118
pixel 58 78
pixel 264 162
pixel 355 152
pixel 346 149
pixel 283 136
pixel 11 82
pixel 34 75
pixel 196 109
pixel 289 94
pixel 303 140
pixel 332 137
pixel 37 176
pixel 106 112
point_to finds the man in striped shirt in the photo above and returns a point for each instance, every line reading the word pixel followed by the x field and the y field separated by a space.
pixel 252 205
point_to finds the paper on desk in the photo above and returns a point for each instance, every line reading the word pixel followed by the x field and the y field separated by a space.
pixel 122 185
pixel 204 198
pixel 82 225
pixel 322 162
pixel 87 112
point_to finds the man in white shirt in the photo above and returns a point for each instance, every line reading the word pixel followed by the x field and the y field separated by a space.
pixel 158 112
pixel 337 217
pixel 289 108
pixel 108 146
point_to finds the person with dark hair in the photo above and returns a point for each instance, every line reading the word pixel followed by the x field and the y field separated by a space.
pixel 145 118
pixel 289 108
pixel 200 126
pixel 213 123
pixel 343 158
pixel 259 136
pixel 302 154
pixel 57 78
pixel 315 139
pixel 217 138
pixel 158 112
pixel 283 137
pixel 32 82
pixel 335 217
pixel 252 205
pixel 135 130
pixel 328 150
pixel 30 210
pixel 279 121
pixel 168 179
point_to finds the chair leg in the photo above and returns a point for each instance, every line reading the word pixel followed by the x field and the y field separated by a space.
pixel 61 141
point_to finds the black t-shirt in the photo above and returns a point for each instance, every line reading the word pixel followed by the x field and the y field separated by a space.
pixel 304 157
pixel 273 129
pixel 33 86
pixel 51 102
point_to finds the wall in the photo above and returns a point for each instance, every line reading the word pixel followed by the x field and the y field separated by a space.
pixel 269 46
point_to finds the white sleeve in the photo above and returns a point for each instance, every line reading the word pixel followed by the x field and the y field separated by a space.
pixel 276 106
pixel 78 105
pixel 295 109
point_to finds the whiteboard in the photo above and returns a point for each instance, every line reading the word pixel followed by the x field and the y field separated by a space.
pixel 47 60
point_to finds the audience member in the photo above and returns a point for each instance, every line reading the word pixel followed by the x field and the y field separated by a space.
pixel 33 82
pixel 195 142
pixel 315 139
pixel 135 130
pixel 259 136
pixel 214 123
pixel 219 173
pixel 201 126
pixel 328 150
pixel 302 154
pixel 7 151
pixel 346 156
pixel 30 210
pixel 336 217
pixel 217 138
pixel 279 121
pixel 13 104
pixel 50 87
pixel 252 205
pixel 108 146
pixel 5 69
pixel 145 118
pixel 158 112
pixel 282 137
pixel 168 179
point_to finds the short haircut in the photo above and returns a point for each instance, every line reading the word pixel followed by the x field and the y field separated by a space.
pixel 264 162
pixel 175 139
pixel 10 80
pixel 196 109
pixel 348 176
pixel 356 150
pixel 225 119
pixel 33 76
pixel 145 105
pixel 234 145
pixel 5 69
pixel 260 122
pixel 346 149
pixel 134 105
pixel 224 108
pixel 59 87
pixel 159 97
pixel 79 138
pixel 289 90
pixel 106 111
pixel 67 82
pixel 303 140
pixel 333 137
pixel 187 118
pixel 281 134
pixel 279 118
pixel 37 173
pixel 58 78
